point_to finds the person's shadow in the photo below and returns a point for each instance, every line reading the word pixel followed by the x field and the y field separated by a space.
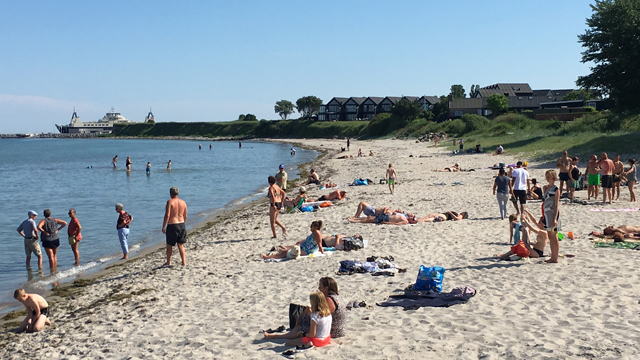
pixel 277 348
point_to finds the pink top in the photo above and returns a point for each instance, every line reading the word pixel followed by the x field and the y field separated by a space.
pixel 74 229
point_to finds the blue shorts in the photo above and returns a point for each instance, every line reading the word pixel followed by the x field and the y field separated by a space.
pixel 382 218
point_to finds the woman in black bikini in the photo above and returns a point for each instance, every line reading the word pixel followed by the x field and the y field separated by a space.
pixel 276 196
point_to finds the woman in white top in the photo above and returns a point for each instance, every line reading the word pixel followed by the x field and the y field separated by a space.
pixel 320 331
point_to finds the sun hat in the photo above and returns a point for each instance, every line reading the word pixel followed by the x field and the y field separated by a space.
pixel 303 189
pixel 281 166
pixel 31 212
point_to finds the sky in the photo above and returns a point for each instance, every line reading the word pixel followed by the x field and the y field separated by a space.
pixel 214 60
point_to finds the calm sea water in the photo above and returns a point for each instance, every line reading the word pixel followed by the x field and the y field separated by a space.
pixel 54 173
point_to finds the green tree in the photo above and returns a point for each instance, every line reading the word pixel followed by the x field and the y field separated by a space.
pixel 407 109
pixel 474 90
pixel 581 94
pixel 441 109
pixel 498 104
pixel 612 44
pixel 248 117
pixel 457 91
pixel 284 108
pixel 308 106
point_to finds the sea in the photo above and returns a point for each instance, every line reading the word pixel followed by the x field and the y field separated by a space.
pixel 59 174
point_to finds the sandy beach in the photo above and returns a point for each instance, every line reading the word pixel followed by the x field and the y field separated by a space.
pixel 584 307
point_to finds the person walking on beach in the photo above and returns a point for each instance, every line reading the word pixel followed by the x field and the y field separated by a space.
pixel 618 170
pixel 551 213
pixel 175 215
pixel 391 177
pixel 564 166
pixel 49 236
pixel 520 185
pixel 503 186
pixel 606 169
pixel 276 197
pixel 436 139
pixel 148 168
pixel 281 178
pixel 632 177
pixel 114 162
pixel 348 143
pixel 37 311
pixel 75 235
pixel 29 231
pixel 122 225
pixel 128 163
pixel 593 178
pixel 461 145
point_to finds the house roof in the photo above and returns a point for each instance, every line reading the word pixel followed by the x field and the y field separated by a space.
pixel 375 100
pixel 411 98
pixel 468 103
pixel 508 89
pixel 339 100
pixel 431 99
pixel 392 99
pixel 357 100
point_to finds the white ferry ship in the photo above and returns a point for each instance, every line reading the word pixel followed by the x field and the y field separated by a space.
pixel 102 126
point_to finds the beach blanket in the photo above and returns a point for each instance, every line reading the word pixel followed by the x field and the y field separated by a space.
pixel 412 299
pixel 327 251
pixel 616 245
pixel 613 210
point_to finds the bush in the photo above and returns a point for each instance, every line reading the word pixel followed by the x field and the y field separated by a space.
pixel 589 109
pixel 454 127
pixel 474 122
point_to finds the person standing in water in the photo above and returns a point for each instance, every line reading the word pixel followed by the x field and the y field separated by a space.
pixel 173 227
pixel 74 234
pixel 391 177
pixel 49 236
pixel 114 162
pixel 239 145
pixel 199 146
pixel 210 146
pixel 148 168
pixel 169 166
pixel 29 231
pixel 128 163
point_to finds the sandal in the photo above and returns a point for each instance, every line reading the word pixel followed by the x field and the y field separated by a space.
pixel 289 354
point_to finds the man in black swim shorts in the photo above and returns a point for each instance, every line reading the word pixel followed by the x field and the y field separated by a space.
pixel 173 226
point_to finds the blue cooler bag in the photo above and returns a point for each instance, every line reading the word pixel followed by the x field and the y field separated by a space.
pixel 430 278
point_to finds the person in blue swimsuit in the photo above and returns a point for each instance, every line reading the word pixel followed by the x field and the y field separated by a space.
pixel 309 245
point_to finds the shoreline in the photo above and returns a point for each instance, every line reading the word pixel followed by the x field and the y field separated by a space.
pixel 205 224
pixel 217 305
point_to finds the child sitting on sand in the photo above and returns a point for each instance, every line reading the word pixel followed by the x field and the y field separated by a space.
pixel 514 229
pixel 37 311
pixel 320 331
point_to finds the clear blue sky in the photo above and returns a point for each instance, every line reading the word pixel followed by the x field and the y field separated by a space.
pixel 214 60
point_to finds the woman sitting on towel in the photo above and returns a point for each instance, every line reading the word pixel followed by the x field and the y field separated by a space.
pixel 311 244
pixel 329 288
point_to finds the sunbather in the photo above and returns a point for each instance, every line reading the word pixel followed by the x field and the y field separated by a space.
pixel 623 230
pixel 386 219
pixel 449 215
pixel 311 244
pixel 336 195
pixel 369 210
pixel 312 178
pixel 288 202
pixel 454 168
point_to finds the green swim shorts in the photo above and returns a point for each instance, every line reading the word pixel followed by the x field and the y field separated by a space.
pixel 391 181
pixel 594 179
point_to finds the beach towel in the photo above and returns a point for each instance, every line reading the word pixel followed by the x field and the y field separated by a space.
pixel 614 210
pixel 617 245
pixel 412 300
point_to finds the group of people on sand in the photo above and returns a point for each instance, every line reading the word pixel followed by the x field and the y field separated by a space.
pixel 385 216
pixel 114 163
pixel 173 227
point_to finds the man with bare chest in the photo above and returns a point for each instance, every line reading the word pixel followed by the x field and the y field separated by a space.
pixel 593 177
pixel 173 226
pixel 37 311
pixel 564 166
pixel 618 169
pixel 606 169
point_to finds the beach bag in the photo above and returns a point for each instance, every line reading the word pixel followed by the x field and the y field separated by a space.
pixel 325 204
pixel 295 311
pixel 360 182
pixel 306 208
pixel 430 278
pixel 126 219
pixel 352 243
pixel 520 249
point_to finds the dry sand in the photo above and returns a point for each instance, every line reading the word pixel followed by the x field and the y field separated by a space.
pixel 583 307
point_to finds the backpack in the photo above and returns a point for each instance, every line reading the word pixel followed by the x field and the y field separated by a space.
pixel 430 278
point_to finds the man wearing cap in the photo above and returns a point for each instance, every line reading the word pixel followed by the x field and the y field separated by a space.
pixel 281 178
pixel 28 231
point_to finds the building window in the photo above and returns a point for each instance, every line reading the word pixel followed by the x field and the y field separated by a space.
pixel 351 108
pixel 519 97
pixel 323 108
pixel 386 107
pixel 480 112
pixel 530 97
pixel 351 117
pixel 487 112
pixel 321 117
pixel 458 113
pixel 334 108
pixel 592 104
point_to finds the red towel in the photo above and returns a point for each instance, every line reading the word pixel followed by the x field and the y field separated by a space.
pixel 317 342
